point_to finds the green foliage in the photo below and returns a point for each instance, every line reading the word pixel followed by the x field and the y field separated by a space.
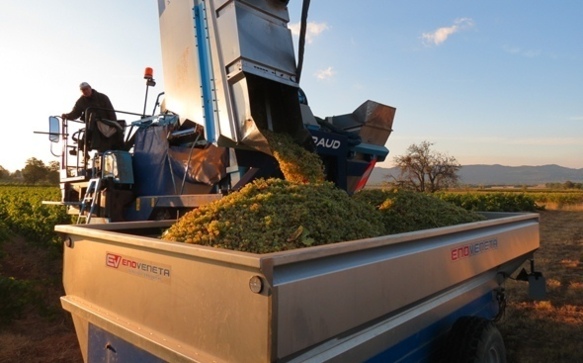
pixel 566 185
pixel 406 211
pixel 22 212
pixel 15 295
pixel 35 172
pixel 562 198
pixel 491 202
pixel 4 174
pixel 4 233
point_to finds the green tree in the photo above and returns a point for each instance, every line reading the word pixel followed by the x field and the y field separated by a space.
pixel 426 170
pixel 53 172
pixel 4 174
pixel 35 171
pixel 16 175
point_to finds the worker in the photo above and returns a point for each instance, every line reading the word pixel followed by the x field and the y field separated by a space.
pixel 91 99
pixel 102 132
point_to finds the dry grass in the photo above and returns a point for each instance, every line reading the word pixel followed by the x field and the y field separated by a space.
pixel 38 340
pixel 546 331
pixel 550 330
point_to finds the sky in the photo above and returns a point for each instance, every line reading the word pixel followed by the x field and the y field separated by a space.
pixel 487 82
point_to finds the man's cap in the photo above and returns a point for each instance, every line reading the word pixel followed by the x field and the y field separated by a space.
pixel 84 85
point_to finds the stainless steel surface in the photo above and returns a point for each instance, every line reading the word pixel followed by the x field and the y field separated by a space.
pixel 372 121
pixel 180 63
pixel 400 270
pixel 253 38
pixel 251 69
pixel 171 299
pixel 194 301
pixel 374 339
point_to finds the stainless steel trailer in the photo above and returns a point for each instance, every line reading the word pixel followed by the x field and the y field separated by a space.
pixel 230 73
pixel 135 298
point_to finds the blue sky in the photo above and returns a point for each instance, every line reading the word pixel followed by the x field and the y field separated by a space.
pixel 489 82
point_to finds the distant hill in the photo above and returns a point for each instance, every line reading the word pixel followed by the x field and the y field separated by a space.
pixel 500 175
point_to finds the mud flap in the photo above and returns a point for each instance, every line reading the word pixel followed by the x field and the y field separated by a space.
pixel 536 282
pixel 537 287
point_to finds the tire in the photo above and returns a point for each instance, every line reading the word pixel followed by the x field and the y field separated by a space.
pixel 475 340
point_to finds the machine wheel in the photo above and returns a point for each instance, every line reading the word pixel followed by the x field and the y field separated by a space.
pixel 475 340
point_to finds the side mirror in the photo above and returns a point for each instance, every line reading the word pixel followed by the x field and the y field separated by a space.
pixel 54 129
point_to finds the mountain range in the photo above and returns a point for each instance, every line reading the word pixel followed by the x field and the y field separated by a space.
pixel 499 175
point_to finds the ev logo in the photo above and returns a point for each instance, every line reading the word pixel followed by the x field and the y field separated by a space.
pixel 112 260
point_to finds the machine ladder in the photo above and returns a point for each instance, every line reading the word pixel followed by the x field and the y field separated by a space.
pixel 89 200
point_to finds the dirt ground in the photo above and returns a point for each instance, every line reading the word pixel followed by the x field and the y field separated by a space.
pixel 548 331
pixel 44 333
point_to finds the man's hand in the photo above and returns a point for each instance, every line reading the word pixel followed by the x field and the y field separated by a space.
pixel 64 116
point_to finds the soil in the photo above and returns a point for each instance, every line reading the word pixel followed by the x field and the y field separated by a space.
pixel 550 330
pixel 44 332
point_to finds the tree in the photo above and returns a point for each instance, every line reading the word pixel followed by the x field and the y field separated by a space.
pixel 16 175
pixel 425 170
pixel 4 174
pixel 53 172
pixel 34 171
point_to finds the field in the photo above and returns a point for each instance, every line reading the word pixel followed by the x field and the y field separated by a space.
pixel 34 328
pixel 551 330
pixel 552 199
pixel 43 333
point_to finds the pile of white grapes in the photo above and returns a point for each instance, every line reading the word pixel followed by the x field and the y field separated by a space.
pixel 304 210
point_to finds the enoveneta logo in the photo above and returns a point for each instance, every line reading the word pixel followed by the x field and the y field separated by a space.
pixel 135 266
pixel 473 249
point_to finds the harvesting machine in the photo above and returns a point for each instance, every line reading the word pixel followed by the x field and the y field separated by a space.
pixel 229 75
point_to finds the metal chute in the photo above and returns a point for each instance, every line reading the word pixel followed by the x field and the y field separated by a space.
pixel 230 66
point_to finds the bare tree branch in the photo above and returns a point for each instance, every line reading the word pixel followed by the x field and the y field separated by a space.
pixel 425 170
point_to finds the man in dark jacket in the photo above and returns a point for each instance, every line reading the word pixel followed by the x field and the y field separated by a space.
pixel 94 107
pixel 91 99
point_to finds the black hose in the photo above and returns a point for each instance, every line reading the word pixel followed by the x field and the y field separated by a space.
pixel 302 41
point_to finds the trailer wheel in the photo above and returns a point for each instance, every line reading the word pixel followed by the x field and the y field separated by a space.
pixel 475 340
